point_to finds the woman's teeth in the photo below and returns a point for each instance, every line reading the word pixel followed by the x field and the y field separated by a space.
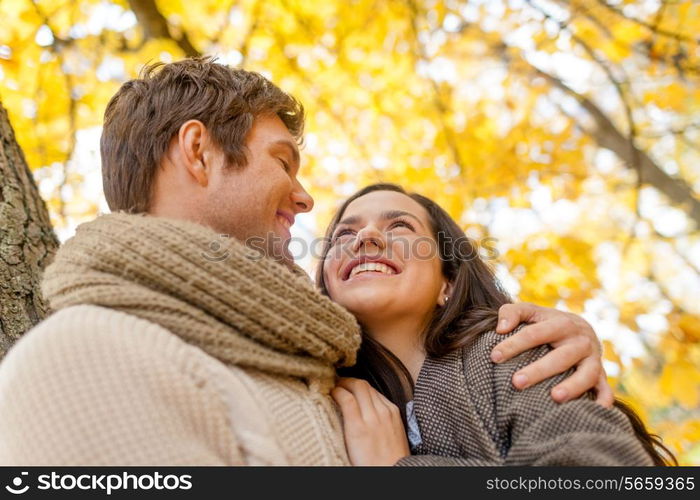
pixel 371 266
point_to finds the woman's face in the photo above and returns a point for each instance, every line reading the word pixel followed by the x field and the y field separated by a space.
pixel 384 262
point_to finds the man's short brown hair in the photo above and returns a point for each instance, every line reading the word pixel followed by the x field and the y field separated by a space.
pixel 147 112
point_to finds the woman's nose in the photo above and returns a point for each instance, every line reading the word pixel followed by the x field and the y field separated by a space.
pixel 369 235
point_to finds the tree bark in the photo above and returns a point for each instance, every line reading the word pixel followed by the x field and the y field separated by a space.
pixel 27 241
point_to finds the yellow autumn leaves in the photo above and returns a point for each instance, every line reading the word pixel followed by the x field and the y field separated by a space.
pixel 444 98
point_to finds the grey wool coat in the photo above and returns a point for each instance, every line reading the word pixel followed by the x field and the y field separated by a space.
pixel 469 413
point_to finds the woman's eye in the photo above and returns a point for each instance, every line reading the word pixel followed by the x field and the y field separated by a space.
pixel 401 223
pixel 285 165
pixel 341 233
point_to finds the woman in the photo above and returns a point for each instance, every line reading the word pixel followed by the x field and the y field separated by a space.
pixel 428 307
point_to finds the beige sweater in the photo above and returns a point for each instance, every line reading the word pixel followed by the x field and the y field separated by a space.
pixel 94 386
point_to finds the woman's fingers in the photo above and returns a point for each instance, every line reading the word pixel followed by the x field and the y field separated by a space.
pixel 360 389
pixel 393 410
pixel 372 404
pixel 347 403
pixel 373 429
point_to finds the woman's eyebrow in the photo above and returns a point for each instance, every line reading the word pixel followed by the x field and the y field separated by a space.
pixel 386 215
pixel 349 221
pixel 395 214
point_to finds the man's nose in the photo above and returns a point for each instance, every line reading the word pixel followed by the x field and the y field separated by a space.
pixel 303 202
pixel 369 235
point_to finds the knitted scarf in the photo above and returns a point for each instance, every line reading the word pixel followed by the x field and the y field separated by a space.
pixel 238 306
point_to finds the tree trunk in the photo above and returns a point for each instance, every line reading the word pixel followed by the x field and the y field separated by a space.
pixel 27 241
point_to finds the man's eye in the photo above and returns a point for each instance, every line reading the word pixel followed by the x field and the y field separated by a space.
pixel 285 165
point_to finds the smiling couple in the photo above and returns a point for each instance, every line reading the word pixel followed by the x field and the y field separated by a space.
pixel 156 355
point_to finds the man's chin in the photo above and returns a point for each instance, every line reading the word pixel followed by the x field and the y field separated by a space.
pixel 273 247
pixel 286 261
pixel 280 253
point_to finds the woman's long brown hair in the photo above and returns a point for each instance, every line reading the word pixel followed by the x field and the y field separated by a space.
pixel 472 310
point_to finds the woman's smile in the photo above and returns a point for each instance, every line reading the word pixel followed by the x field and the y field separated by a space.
pixel 370 267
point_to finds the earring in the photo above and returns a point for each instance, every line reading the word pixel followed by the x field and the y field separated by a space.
pixel 447 297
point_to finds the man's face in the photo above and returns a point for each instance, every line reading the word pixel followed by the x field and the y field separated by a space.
pixel 257 203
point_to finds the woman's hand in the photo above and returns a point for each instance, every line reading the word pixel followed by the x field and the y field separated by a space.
pixel 374 431
pixel 574 344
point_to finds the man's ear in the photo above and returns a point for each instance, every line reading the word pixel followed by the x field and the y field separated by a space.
pixel 192 140
pixel 445 293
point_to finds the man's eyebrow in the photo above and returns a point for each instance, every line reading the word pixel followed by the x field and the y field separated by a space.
pixel 291 146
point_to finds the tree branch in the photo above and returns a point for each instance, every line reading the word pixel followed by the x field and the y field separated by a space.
pixel 620 86
pixel 154 25
pixel 608 136
pixel 654 28
pixel 439 105
pixel 645 48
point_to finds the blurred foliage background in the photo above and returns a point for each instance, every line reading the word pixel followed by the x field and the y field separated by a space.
pixel 569 131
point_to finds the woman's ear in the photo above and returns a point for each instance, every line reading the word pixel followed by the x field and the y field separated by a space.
pixel 445 293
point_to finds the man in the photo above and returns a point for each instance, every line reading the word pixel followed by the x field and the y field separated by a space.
pixel 160 352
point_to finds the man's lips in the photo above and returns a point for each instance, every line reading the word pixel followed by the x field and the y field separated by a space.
pixel 286 219
pixel 361 260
